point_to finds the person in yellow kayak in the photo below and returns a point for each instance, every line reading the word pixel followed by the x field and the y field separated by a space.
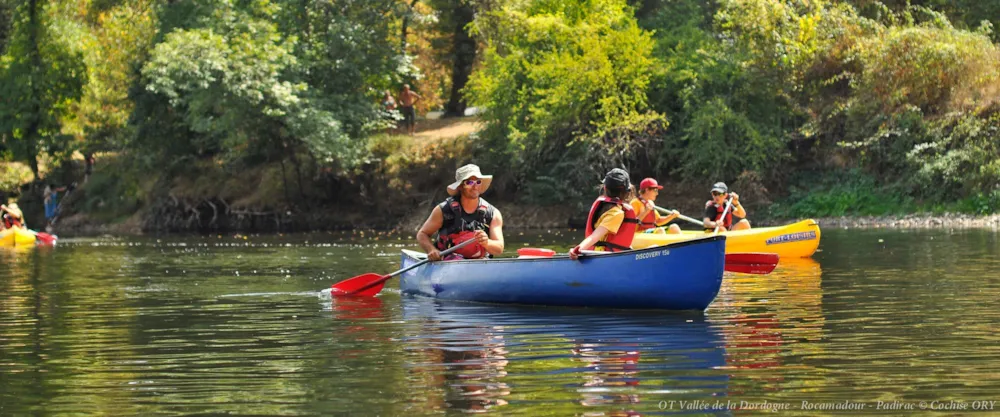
pixel 463 216
pixel 612 222
pixel 12 216
pixel 715 207
pixel 650 220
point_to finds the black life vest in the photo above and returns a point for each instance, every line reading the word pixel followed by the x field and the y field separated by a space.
pixel 457 224
pixel 614 242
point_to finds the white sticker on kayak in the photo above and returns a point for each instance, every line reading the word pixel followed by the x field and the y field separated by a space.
pixel 647 255
pixel 793 237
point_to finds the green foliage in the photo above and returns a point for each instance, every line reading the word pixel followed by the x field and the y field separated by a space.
pixel 40 78
pixel 832 194
pixel 981 203
pixel 559 75
pixel 107 196
pixel 235 85
pixel 725 119
pixel 960 158
pixel 12 176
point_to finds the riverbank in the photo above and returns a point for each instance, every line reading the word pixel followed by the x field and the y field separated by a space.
pixel 398 188
pixel 914 221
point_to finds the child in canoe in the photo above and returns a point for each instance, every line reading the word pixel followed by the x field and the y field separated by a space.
pixel 612 222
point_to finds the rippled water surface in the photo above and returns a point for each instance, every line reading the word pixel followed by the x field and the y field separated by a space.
pixel 234 325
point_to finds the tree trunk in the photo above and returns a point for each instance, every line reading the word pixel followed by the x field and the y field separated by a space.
pixel 464 56
pixel 406 26
pixel 31 133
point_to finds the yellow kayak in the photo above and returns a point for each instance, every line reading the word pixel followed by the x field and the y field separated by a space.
pixel 16 237
pixel 796 240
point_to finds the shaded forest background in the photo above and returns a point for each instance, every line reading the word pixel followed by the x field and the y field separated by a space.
pixel 253 114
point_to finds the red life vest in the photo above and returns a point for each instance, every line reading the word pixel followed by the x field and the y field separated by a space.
pixel 728 222
pixel 459 226
pixel 11 221
pixel 649 221
pixel 615 242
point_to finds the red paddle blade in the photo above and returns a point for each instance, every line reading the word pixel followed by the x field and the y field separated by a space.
pixel 350 285
pixel 752 258
pixel 43 238
pixel 759 269
pixel 751 263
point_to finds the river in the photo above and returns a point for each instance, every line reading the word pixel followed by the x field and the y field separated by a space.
pixel 880 321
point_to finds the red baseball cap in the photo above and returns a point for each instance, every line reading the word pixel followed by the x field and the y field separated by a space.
pixel 649 183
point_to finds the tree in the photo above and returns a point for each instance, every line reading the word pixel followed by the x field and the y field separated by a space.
pixel 40 78
pixel 458 47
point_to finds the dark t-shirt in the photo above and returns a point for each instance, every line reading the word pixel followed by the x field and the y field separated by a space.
pixel 712 211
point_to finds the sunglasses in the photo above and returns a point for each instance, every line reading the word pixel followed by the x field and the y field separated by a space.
pixel 473 182
pixel 716 193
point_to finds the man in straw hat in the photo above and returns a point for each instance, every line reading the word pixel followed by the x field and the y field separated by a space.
pixel 12 216
pixel 463 216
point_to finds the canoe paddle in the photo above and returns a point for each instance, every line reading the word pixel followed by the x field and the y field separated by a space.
pixel 43 238
pixel 745 262
pixel 680 216
pixel 369 284
pixel 722 219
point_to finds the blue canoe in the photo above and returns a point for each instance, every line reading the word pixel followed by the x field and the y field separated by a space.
pixel 681 276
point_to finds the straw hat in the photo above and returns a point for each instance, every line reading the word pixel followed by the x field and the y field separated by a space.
pixel 14 210
pixel 467 172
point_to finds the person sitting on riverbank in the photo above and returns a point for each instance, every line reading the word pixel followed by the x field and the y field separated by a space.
pixel 715 207
pixel 463 216
pixel 612 222
pixel 650 220
pixel 12 216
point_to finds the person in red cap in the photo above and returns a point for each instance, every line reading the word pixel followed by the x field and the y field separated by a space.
pixel 645 206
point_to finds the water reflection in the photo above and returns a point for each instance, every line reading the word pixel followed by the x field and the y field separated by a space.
pixel 480 358
pixel 768 320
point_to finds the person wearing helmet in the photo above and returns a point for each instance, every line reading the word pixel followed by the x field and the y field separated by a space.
pixel 715 207
pixel 611 223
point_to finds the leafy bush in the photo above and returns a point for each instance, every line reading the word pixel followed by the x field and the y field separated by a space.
pixel 564 78
pixel 840 194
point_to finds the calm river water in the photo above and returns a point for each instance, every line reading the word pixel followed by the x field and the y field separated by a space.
pixel 237 325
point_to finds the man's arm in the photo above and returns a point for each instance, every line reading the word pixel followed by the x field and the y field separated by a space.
pixel 430 227
pixel 495 245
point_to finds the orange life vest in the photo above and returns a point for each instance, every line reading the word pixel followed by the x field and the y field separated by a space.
pixel 649 221
pixel 615 242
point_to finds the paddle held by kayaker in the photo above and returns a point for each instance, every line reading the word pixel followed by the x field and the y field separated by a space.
pixel 612 222
pixel 650 221
pixel 717 205
pixel 463 216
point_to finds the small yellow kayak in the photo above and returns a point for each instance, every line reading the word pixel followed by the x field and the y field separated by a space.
pixel 16 237
pixel 796 240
